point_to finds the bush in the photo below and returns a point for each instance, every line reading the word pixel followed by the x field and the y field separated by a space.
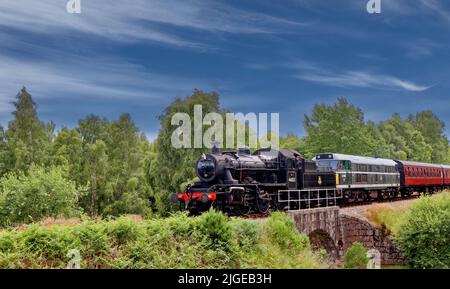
pixel 218 232
pixel 26 198
pixel 424 234
pixel 281 229
pixel 246 234
pixel 211 240
pixel 356 257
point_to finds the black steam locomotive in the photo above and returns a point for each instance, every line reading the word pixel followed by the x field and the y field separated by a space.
pixel 238 182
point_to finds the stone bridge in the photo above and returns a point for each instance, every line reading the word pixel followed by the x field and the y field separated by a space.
pixel 334 230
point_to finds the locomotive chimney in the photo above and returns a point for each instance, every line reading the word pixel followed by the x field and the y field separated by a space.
pixel 215 150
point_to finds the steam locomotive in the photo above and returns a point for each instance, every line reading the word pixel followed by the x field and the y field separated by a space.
pixel 240 183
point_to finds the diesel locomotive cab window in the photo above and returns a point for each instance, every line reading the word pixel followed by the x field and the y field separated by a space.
pixel 206 168
pixel 328 165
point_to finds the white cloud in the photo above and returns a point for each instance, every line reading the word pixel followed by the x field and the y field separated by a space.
pixel 352 78
pixel 87 77
pixel 139 20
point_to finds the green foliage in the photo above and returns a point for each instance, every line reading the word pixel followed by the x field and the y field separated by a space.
pixel 25 198
pixel 118 171
pixel 173 167
pixel 215 227
pixel 340 127
pixel 282 231
pixel 177 241
pixel 246 234
pixel 356 257
pixel 424 233
pixel 406 141
pixel 28 138
pixel 337 128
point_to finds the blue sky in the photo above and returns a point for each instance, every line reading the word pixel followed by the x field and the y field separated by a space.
pixel 261 56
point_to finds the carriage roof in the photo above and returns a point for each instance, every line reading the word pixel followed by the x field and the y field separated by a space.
pixel 356 159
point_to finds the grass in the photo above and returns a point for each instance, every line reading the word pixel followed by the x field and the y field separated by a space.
pixel 386 218
pixel 211 240
pixel 391 218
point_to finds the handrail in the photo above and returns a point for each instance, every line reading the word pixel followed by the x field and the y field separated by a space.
pixel 308 198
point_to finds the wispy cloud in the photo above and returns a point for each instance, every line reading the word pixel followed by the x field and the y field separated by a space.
pixel 88 77
pixel 138 20
pixel 420 48
pixel 312 72
pixel 438 8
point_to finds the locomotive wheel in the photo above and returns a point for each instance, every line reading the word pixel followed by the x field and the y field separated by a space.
pixel 182 206
pixel 245 207
pixel 244 210
pixel 262 205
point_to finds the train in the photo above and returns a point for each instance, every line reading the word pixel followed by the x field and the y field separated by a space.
pixel 241 183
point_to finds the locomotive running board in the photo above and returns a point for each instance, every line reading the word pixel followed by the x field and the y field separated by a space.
pixel 295 200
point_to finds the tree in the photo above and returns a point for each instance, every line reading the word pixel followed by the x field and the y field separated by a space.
pixel 95 166
pixel 28 138
pixel 67 151
pixel 432 129
pixel 113 162
pixel 291 141
pixel 5 156
pixel 337 128
pixel 129 194
pixel 407 143
pixel 39 193
pixel 377 144
pixel 175 167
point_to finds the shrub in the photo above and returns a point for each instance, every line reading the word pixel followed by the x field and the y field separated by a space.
pixel 25 198
pixel 123 230
pixel 281 229
pixel 215 228
pixel 424 234
pixel 211 240
pixel 356 257
pixel 246 233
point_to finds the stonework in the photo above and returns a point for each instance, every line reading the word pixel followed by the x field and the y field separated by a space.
pixel 354 229
pixel 343 230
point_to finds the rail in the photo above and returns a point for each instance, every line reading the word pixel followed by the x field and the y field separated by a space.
pixel 296 200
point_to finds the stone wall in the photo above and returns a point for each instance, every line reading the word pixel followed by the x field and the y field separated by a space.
pixel 354 229
pixel 344 230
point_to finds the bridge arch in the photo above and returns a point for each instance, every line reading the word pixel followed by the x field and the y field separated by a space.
pixel 321 239
pixel 335 231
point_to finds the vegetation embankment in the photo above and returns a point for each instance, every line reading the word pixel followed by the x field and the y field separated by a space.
pixel 211 240
pixel 421 230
